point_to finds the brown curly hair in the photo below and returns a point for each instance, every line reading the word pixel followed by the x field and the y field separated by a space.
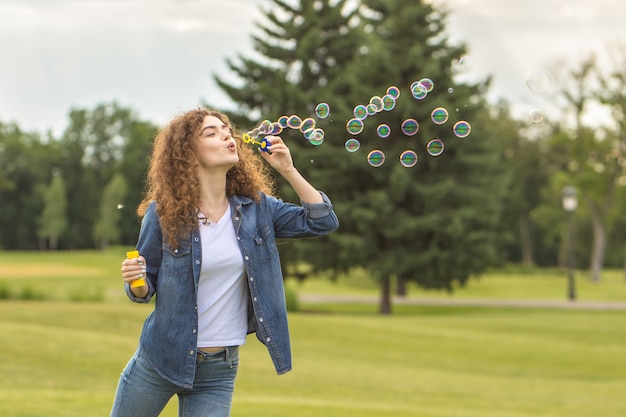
pixel 172 181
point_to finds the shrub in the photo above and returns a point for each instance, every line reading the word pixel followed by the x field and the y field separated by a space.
pixel 291 298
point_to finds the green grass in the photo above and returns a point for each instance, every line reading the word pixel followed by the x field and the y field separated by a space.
pixel 62 358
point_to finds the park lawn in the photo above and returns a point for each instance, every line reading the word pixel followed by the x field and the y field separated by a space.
pixel 63 359
pixel 93 275
pixel 63 275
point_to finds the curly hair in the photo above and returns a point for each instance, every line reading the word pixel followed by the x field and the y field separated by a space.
pixel 172 181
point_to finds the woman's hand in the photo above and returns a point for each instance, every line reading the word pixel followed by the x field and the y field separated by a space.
pixel 134 269
pixel 279 157
pixel 277 154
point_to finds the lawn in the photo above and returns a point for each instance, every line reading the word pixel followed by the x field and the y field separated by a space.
pixel 62 358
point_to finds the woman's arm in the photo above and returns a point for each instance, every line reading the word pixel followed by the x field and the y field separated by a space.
pixel 279 157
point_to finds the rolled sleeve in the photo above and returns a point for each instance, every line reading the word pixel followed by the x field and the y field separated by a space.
pixel 136 299
pixel 318 210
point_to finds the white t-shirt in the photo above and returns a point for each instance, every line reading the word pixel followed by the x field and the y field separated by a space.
pixel 222 291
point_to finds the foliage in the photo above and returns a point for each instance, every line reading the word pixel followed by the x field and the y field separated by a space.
pixel 53 220
pixel 434 223
pixel 106 229
pixel 98 144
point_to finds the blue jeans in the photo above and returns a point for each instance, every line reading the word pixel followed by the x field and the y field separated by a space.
pixel 142 392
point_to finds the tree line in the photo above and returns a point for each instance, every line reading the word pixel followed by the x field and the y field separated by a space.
pixel 489 199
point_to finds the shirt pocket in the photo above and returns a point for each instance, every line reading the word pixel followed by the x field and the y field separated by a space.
pixel 264 244
pixel 176 261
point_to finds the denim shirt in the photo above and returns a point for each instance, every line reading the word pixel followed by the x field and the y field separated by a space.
pixel 170 332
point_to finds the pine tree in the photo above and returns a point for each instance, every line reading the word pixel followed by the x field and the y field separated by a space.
pixel 433 223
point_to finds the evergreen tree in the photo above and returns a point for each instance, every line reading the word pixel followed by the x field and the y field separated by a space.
pixel 53 220
pixel 304 50
pixel 433 223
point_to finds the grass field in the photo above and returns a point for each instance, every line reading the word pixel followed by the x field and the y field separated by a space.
pixel 62 358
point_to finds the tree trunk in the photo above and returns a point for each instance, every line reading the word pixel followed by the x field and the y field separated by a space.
pixel 599 244
pixel 385 300
pixel 526 242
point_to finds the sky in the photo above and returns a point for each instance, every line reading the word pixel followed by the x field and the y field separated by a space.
pixel 158 57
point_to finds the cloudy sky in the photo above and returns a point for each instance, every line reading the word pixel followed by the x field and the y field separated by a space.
pixel 157 56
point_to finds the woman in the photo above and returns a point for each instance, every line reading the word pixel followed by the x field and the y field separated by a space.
pixel 207 248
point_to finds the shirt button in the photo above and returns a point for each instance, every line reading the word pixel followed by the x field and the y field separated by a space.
pixel 196 307
pixel 191 351
pixel 246 258
pixel 254 298
pixel 261 320
pixel 268 339
pixel 193 331
pixel 238 238
pixel 175 250
pixel 197 262
pixel 237 218
pixel 251 278
pixel 196 239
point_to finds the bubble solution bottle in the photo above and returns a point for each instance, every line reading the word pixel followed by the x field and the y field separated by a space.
pixel 133 254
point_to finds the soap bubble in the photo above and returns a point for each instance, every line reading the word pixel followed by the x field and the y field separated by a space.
pixel 435 147
pixel 307 125
pixel 389 103
pixel 377 103
pixel 283 121
pixel 393 91
pixel 428 84
pixel 254 133
pixel 317 138
pixel 539 82
pixel 536 116
pixel 275 129
pixel 120 206
pixel 465 61
pixel 355 126
pixel 410 127
pixel 352 145
pixel 408 159
pixel 383 131
pixel 462 129
pixel 265 127
pixel 376 158
pixel 418 90
pixel 294 122
pixel 439 115
pixel 360 112
pixel 322 110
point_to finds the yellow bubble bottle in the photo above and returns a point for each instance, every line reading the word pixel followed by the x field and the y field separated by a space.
pixel 138 282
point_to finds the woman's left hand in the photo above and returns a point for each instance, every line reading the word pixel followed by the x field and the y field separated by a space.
pixel 278 155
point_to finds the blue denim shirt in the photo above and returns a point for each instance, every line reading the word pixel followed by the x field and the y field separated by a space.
pixel 169 335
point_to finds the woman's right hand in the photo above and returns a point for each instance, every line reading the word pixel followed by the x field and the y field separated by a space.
pixel 134 269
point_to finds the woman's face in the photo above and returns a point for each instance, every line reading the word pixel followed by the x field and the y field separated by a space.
pixel 216 146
